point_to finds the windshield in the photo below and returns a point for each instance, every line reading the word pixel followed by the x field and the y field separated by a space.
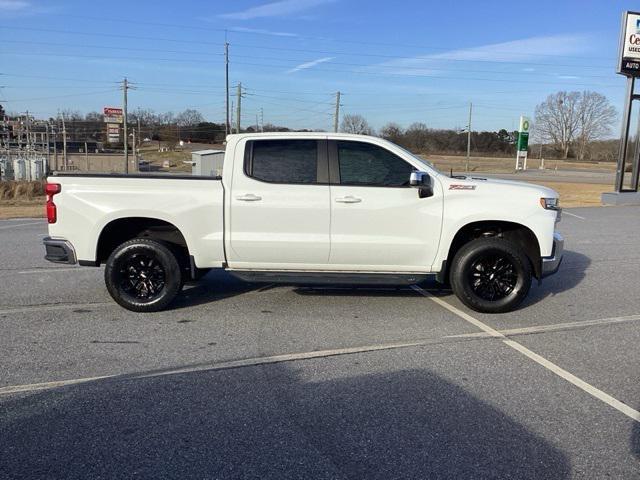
pixel 418 158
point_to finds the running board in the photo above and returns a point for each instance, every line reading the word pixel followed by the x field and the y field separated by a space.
pixel 328 278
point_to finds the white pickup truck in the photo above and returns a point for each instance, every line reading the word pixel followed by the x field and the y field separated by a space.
pixel 307 208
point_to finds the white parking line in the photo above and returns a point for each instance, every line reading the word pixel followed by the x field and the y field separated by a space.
pixel 46 308
pixel 246 362
pixel 552 327
pixel 552 367
pixel 50 270
pixel 564 212
pixel 21 225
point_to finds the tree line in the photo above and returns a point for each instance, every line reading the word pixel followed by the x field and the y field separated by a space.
pixel 568 124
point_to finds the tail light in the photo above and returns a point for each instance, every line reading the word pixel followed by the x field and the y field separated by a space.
pixel 50 189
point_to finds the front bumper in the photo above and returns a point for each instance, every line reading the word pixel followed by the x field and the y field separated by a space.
pixel 550 265
pixel 59 250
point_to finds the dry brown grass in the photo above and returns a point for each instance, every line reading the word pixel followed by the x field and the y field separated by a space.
pixel 21 199
pixel 578 194
pixel 22 209
pixel 10 190
pixel 507 165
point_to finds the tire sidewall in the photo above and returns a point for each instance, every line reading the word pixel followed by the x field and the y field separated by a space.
pixel 173 274
pixel 463 262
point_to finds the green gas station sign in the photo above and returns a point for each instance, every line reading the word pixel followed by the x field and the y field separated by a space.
pixel 523 135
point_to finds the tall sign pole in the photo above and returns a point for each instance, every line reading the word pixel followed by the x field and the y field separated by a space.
pixel 469 138
pixel 336 117
pixel 125 88
pixel 227 125
pixel 629 66
pixel 522 146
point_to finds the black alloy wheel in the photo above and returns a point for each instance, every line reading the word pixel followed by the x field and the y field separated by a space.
pixel 143 275
pixel 491 275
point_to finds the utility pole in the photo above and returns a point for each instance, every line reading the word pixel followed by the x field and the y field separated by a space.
pixel 261 120
pixel 238 106
pixel 64 143
pixel 139 136
pixel 257 123
pixel 337 115
pixel 231 117
pixel 469 136
pixel 135 151
pixel 227 125
pixel 125 88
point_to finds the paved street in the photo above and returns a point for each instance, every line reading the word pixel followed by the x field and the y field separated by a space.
pixel 259 381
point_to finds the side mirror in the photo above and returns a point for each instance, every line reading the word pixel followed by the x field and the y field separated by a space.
pixel 423 182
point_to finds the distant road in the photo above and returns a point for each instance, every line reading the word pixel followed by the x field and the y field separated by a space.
pixel 568 176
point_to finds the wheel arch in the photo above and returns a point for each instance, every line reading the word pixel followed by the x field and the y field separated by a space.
pixel 517 233
pixel 122 229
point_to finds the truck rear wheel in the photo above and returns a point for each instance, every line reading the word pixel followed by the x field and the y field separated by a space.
pixel 491 275
pixel 143 275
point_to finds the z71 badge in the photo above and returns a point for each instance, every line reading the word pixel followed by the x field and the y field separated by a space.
pixel 457 186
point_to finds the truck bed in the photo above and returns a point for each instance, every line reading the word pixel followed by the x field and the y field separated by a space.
pixel 88 202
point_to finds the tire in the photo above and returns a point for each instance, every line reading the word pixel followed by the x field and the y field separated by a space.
pixel 143 275
pixel 491 275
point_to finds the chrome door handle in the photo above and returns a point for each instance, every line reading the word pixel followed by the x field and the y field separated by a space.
pixel 348 199
pixel 249 197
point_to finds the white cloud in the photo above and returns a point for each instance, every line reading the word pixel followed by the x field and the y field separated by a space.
pixel 542 49
pixel 313 63
pixel 13 5
pixel 263 32
pixel 274 9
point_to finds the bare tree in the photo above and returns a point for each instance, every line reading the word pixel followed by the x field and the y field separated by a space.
pixel 595 116
pixel 557 120
pixel 72 115
pixel 189 118
pixel 352 123
pixel 417 136
pixel 392 132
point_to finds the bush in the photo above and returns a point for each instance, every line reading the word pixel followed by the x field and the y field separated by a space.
pixel 11 190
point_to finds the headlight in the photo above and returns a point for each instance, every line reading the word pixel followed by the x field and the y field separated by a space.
pixel 550 203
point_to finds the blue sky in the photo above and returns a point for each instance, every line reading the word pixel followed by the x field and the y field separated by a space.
pixel 404 61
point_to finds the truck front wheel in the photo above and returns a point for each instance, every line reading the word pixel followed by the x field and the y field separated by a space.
pixel 491 275
pixel 143 275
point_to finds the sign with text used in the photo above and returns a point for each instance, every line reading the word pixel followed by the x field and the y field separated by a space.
pixel 629 56
pixel 113 115
pixel 113 133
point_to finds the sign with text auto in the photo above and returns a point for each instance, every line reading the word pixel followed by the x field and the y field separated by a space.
pixel 113 115
pixel 629 61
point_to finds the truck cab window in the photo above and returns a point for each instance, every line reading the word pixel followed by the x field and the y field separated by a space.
pixel 367 164
pixel 283 161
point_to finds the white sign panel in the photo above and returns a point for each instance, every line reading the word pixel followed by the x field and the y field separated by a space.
pixel 630 44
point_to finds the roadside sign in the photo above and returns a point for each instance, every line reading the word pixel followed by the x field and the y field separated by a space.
pixel 629 51
pixel 523 143
pixel 113 115
pixel 113 133
pixel 523 134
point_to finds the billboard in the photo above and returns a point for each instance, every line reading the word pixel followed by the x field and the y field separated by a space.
pixel 113 114
pixel 629 55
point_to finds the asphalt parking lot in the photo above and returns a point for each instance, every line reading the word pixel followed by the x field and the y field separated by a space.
pixel 248 381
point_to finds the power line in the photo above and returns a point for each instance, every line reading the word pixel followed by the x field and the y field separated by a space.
pixel 319 38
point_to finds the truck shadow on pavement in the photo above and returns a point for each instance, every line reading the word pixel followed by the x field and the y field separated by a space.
pixel 272 421
pixel 218 285
pixel 635 440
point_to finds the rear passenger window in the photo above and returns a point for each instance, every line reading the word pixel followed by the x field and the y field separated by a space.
pixel 284 161
pixel 367 164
